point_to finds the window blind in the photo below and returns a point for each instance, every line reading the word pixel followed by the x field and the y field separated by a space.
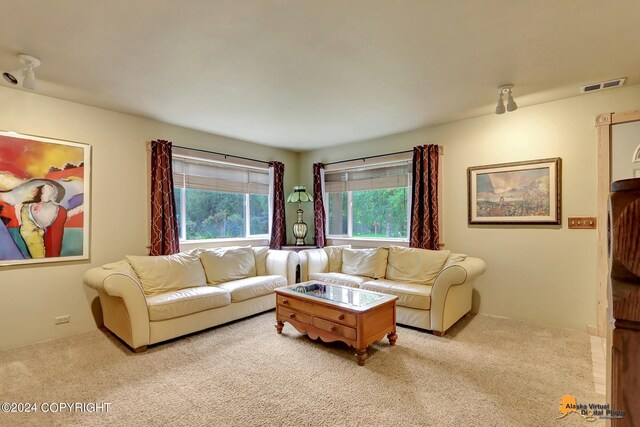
pixel 372 178
pixel 207 175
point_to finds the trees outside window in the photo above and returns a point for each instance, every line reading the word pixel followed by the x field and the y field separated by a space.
pixel 357 209
pixel 218 215
pixel 220 201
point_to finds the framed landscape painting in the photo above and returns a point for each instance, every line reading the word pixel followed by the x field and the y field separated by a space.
pixel 44 199
pixel 515 193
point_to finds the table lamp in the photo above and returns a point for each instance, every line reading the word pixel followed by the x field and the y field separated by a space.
pixel 299 196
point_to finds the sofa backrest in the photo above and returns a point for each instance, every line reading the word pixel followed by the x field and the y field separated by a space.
pixel 334 258
pixel 415 265
pixel 365 262
pixel 168 273
pixel 228 263
pixel 260 253
pixel 393 262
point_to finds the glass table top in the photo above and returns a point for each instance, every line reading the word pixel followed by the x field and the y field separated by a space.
pixel 339 294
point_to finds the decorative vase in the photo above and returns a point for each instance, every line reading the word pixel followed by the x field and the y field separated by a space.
pixel 300 229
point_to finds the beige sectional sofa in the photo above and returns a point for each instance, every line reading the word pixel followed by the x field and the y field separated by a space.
pixel 146 300
pixel 434 288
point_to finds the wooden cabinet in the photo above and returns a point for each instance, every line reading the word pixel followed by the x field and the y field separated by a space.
pixel 625 290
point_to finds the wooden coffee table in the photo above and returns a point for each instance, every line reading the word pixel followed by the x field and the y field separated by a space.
pixel 338 313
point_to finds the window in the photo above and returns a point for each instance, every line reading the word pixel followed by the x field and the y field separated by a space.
pixel 370 203
pixel 217 200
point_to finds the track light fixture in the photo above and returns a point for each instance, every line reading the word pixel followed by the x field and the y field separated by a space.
pixel 24 75
pixel 511 104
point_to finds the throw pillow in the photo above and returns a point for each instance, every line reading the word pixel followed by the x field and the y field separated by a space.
pixel 365 262
pixel 415 265
pixel 168 273
pixel 260 253
pixel 334 253
pixel 226 264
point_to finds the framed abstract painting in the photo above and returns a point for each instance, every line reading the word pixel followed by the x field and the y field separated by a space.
pixel 516 193
pixel 44 199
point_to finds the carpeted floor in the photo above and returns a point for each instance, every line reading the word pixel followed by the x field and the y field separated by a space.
pixel 486 372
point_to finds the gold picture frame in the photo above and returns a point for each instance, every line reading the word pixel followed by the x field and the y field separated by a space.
pixel 518 193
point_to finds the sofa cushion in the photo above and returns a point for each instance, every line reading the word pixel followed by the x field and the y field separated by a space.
pixel 415 265
pixel 334 254
pixel 186 301
pixel 410 295
pixel 252 287
pixel 338 279
pixel 225 264
pixel 365 262
pixel 168 273
pixel 260 253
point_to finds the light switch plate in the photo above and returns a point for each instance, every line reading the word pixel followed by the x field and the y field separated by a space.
pixel 582 222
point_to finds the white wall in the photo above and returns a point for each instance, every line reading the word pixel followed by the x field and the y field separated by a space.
pixel 30 297
pixel 625 140
pixel 536 273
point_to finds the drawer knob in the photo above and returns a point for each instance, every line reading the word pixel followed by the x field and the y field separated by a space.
pixel 285 301
pixel 340 316
pixel 332 328
pixel 292 315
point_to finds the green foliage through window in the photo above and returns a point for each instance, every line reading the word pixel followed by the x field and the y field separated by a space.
pixel 378 214
pixel 218 215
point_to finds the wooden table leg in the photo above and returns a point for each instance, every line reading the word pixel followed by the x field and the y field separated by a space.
pixel 392 337
pixel 279 325
pixel 362 356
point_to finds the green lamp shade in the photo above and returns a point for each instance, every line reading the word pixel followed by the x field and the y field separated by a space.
pixel 299 195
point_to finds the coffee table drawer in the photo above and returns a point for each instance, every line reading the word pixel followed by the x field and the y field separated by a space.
pixel 294 304
pixel 334 328
pixel 319 310
pixel 294 315
pixel 335 315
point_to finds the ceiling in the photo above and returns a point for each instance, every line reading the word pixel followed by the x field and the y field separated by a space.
pixel 302 74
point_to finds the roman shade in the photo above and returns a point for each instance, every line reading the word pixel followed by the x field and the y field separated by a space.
pixel 213 175
pixel 393 175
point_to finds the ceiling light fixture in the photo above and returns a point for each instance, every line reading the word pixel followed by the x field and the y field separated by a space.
pixel 505 90
pixel 25 74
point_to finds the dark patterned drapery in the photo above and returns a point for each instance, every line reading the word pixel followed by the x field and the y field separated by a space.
pixel 164 225
pixel 424 203
pixel 278 230
pixel 319 219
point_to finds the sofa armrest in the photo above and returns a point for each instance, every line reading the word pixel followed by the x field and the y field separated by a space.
pixel 122 285
pixel 312 261
pixel 456 280
pixel 282 263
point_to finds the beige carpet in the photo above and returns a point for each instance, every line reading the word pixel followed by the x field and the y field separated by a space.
pixel 485 372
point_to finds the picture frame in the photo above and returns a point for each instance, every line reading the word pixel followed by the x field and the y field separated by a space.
pixel 518 193
pixel 45 194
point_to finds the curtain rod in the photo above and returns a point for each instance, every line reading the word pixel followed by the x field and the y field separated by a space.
pixel 222 154
pixel 368 157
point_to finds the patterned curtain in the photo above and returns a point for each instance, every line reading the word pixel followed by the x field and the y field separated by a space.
pixel 424 203
pixel 318 205
pixel 278 230
pixel 164 225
